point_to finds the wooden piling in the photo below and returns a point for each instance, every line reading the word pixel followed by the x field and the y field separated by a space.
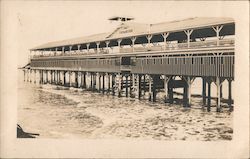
pixel 230 94
pixel 154 88
pixel 103 83
pixel 139 86
pixel 218 105
pixel 204 91
pixel 209 96
pixel 113 83
pixel 126 76
pixel 150 89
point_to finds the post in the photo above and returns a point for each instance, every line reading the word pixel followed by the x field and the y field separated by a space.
pixel 189 86
pixel 91 81
pixel 51 77
pixel 108 82
pixel 218 83
pixel 76 79
pixel 97 47
pixel 47 72
pixel 149 39
pixel 103 83
pixel 217 29
pixel 209 96
pixel 119 85
pixel 107 45
pixel 166 88
pixel 165 35
pixel 221 94
pixel 87 47
pixel 139 86
pixel 99 82
pixel 133 43
pixel 126 85
pixel 188 33
pixel 170 92
pixel 154 89
pixel 230 94
pixel 84 80
pixel 150 87
pixel 144 84
pixel 70 78
pixel 64 78
pixel 185 95
pixel 204 90
pixel 113 84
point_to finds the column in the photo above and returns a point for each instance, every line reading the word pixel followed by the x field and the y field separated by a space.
pixel 113 84
pixel 188 33
pixel 166 88
pixel 150 87
pixel 230 94
pixel 204 90
pixel 107 46
pixel 97 47
pixel 139 86
pixel 217 29
pixel 154 88
pixel 133 43
pixel 76 79
pixel 209 95
pixel 64 78
pixel 103 83
pixel 108 82
pixel 165 35
pixel 149 37
pixel 119 85
pixel 218 83
pixel 126 76
pixel 87 47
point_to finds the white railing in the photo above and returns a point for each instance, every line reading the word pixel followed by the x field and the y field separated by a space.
pixel 146 48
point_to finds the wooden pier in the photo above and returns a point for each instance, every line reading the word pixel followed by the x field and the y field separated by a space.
pixel 137 59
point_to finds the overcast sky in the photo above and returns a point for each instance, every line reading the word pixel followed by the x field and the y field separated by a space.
pixel 31 23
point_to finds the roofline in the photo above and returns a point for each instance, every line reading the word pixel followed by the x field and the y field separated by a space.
pixel 229 21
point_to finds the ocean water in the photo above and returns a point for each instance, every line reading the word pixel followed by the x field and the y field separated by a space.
pixel 57 112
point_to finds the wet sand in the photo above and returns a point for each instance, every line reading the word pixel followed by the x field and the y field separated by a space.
pixel 55 112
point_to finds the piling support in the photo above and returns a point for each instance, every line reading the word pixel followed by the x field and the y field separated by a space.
pixel 84 80
pixel 204 91
pixel 70 78
pixel 154 88
pixel 47 74
pixel 126 76
pixel 64 78
pixel 113 84
pixel 230 94
pixel 209 95
pixel 34 76
pixel 76 79
pixel 30 80
pixel 108 75
pixel 144 84
pixel 150 88
pixel 119 85
pixel 218 105
pixel 139 86
pixel 103 83
pixel 166 80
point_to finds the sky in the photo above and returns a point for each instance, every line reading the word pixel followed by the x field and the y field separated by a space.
pixel 28 24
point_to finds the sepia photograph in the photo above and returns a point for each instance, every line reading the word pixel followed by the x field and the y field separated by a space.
pixel 123 75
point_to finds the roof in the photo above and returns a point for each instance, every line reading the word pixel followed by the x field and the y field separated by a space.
pixel 129 29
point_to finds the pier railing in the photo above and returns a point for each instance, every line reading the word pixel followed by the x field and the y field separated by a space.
pixel 144 48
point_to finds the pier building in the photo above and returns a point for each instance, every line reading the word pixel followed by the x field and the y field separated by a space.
pixel 137 59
